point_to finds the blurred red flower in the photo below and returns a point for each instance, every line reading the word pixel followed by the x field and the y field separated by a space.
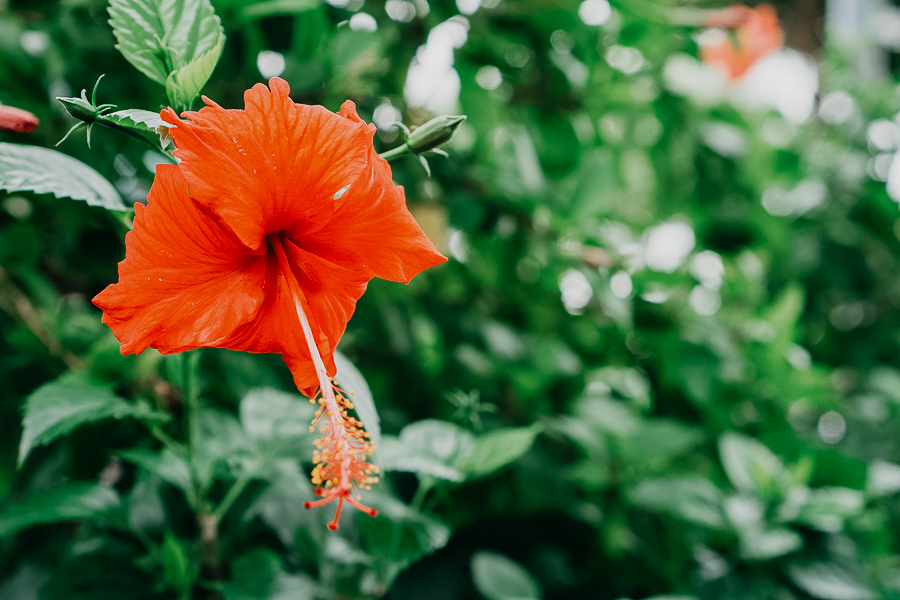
pixel 261 239
pixel 17 120
pixel 755 34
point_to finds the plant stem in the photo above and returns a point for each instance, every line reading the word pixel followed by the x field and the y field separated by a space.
pixel 236 488
pixel 395 152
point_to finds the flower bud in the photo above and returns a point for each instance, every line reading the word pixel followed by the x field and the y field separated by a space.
pixel 17 120
pixel 80 108
pixel 433 133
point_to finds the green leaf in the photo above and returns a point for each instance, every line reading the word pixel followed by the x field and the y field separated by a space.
pixel 691 498
pixel 55 409
pixel 44 171
pixel 177 570
pixel 278 7
pixel 72 503
pixel 394 455
pixel 259 575
pixel 828 581
pixel 185 84
pixel 273 418
pixel 499 578
pixel 161 37
pixel 352 381
pixel 827 508
pixel 400 533
pixel 428 447
pixel 769 544
pixel 166 465
pixel 750 466
pixel 280 506
pixel 497 449
pixel 135 118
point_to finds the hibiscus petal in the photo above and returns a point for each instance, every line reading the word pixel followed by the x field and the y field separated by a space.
pixel 372 230
pixel 185 282
pixel 329 298
pixel 273 167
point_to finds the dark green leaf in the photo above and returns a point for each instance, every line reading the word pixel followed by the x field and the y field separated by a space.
pixel 55 409
pixel 72 503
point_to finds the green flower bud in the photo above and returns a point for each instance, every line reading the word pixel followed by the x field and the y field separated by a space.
pixel 80 108
pixel 433 133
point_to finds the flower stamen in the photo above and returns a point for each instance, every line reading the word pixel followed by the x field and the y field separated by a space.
pixel 340 457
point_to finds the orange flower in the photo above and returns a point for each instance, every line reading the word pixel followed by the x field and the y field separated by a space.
pixel 17 120
pixel 261 239
pixel 756 34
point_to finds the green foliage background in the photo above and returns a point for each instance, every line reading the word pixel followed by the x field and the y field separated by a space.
pixel 632 448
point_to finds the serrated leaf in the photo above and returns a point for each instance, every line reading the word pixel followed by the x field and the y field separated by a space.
pixel 57 408
pixel 497 449
pixel 351 380
pixel 184 84
pixel 268 415
pixel 71 503
pixel 135 118
pixel 44 171
pixel 160 37
pixel 498 578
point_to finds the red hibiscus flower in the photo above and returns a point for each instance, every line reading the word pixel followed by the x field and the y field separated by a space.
pixel 756 33
pixel 17 120
pixel 262 238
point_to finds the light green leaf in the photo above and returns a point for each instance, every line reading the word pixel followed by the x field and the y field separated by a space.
pixel 828 581
pixel 394 455
pixel 278 7
pixel 499 578
pixel 135 118
pixel 72 503
pixel 160 37
pixel 351 380
pixel 44 171
pixel 750 466
pixel 55 409
pixel 691 498
pixel 428 447
pixel 769 544
pixel 184 84
pixel 497 449
pixel 270 416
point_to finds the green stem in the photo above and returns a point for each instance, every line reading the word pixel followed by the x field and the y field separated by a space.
pixel 395 152
pixel 236 488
